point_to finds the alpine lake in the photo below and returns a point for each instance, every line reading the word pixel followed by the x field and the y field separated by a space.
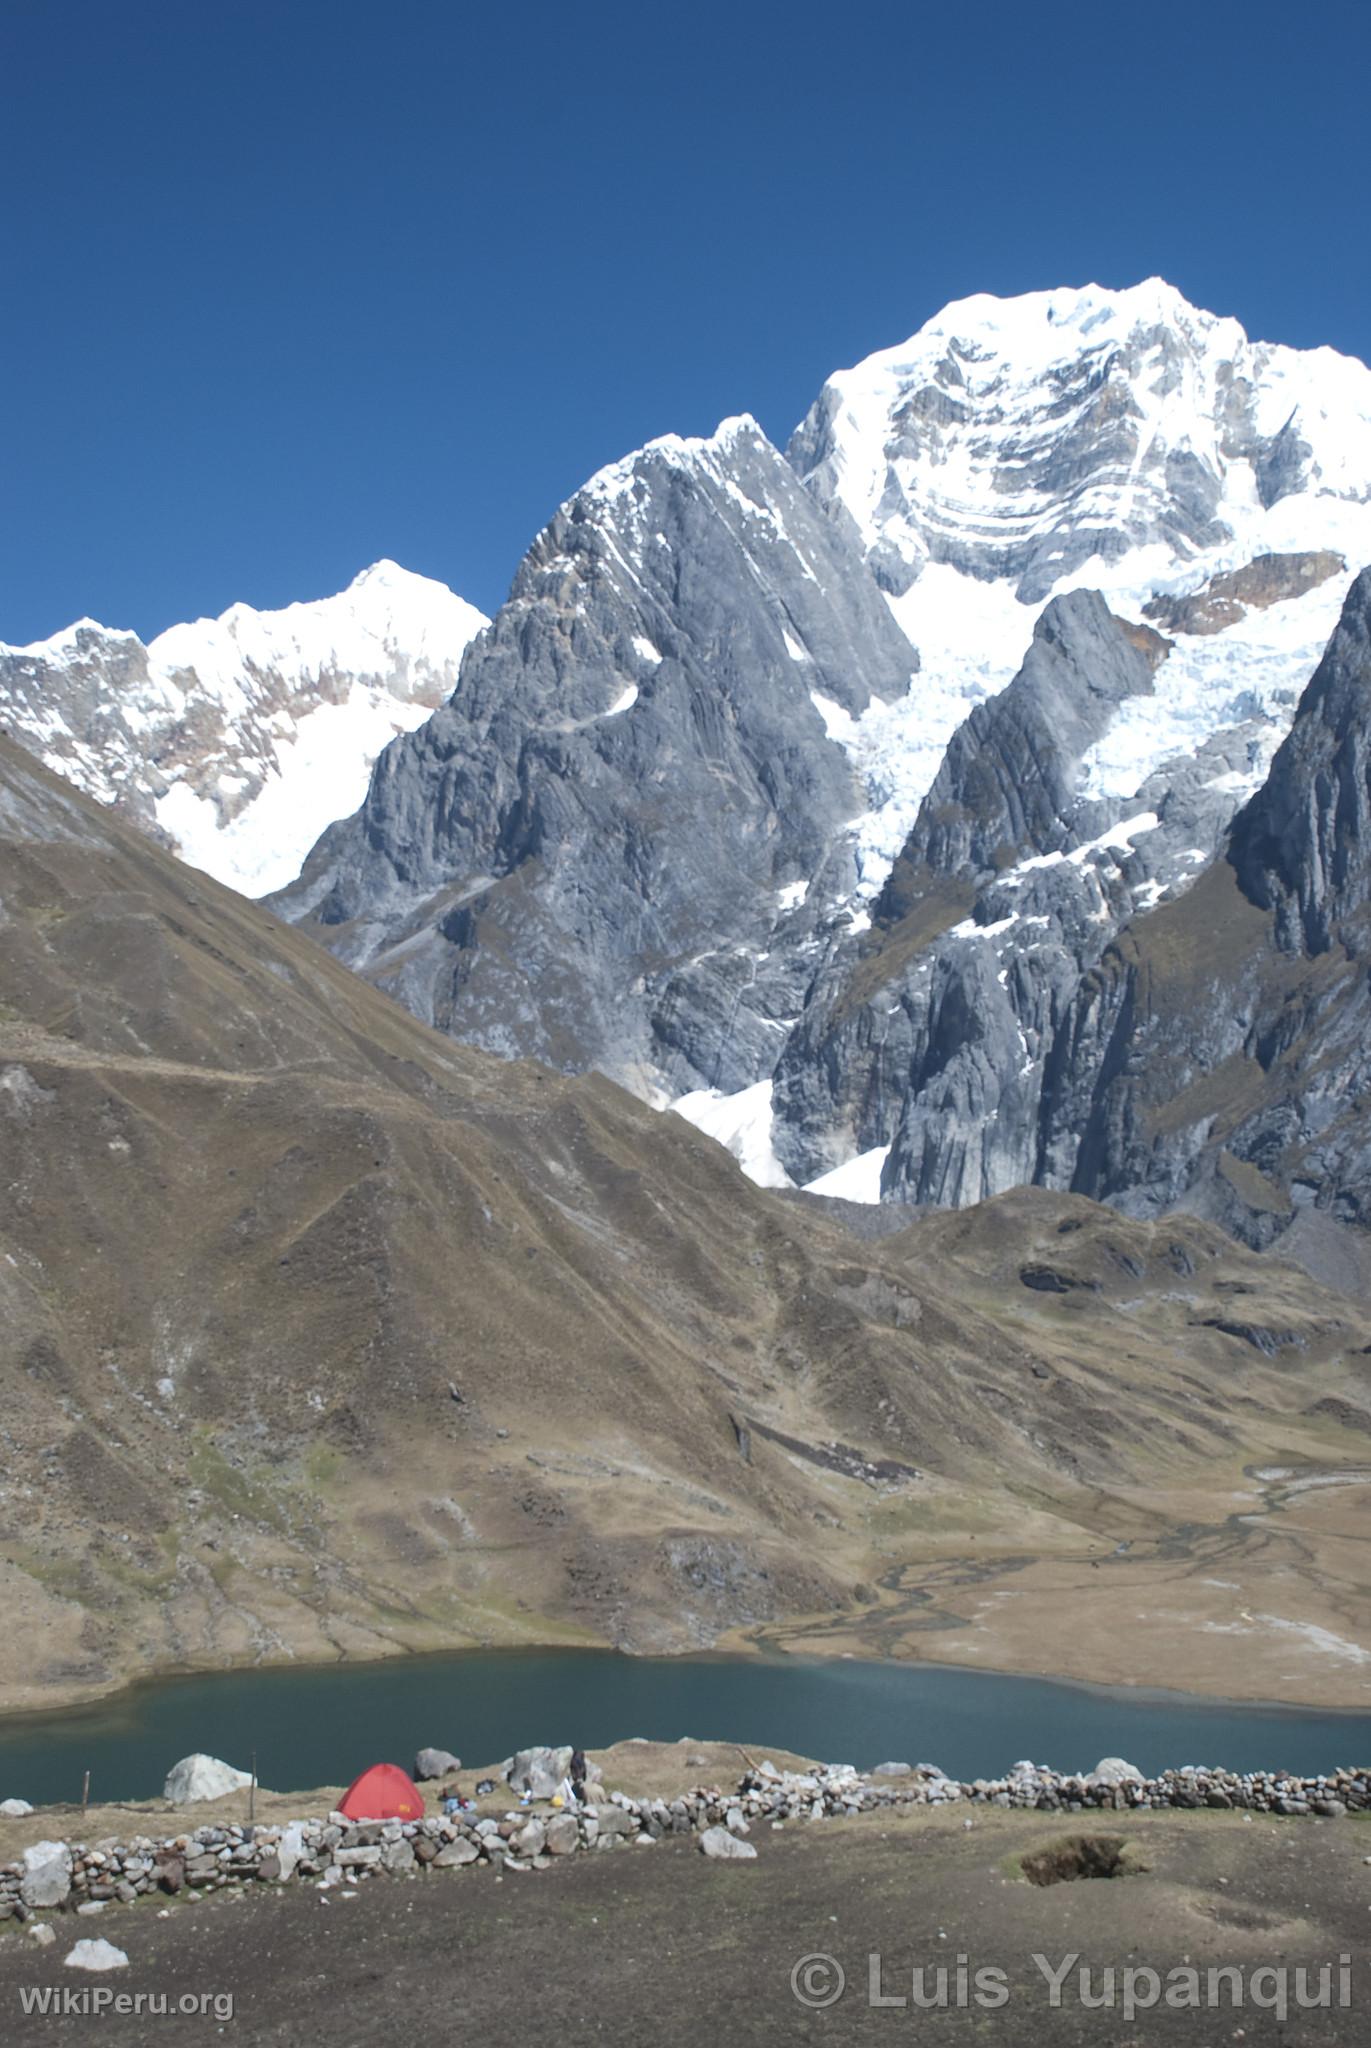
pixel 321 1724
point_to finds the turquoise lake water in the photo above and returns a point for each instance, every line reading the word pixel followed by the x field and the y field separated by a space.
pixel 321 1725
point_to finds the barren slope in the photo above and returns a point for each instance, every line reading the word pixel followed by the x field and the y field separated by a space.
pixel 320 1334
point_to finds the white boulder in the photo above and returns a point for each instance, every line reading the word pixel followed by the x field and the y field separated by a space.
pixel 96 1955
pixel 719 1843
pixel 202 1777
pixel 1112 1770
pixel 435 1763
pixel 15 1809
pixel 291 1848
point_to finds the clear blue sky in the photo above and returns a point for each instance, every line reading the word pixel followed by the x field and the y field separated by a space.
pixel 294 284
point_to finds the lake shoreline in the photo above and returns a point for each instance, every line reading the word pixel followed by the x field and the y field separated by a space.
pixel 790 1645
pixel 796 1642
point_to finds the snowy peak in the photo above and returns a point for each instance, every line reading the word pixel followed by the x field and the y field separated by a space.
pixel 648 533
pixel 673 451
pixel 390 627
pixel 1027 438
pixel 238 739
pixel 1126 441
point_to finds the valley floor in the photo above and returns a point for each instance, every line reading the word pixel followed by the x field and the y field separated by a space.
pixel 1257 1587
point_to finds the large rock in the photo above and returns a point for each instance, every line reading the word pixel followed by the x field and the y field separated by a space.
pixel 539 1772
pixel 202 1777
pixel 47 1874
pixel 435 1763
pixel 290 1848
pixel 1112 1770
pixel 456 1853
pixel 726 1847
pixel 531 1838
pixel 616 1820
pixel 96 1955
pixel 563 1835
pixel 15 1809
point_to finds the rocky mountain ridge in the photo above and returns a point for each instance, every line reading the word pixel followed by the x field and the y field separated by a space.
pixel 1162 513
pixel 807 793
pixel 1216 1057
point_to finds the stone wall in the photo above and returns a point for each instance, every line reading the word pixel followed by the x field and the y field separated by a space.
pixel 87 1879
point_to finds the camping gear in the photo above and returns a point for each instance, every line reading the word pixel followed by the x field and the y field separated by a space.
pixel 382 1793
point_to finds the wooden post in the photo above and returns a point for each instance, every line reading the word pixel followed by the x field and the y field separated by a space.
pixel 252 1790
pixel 85 1794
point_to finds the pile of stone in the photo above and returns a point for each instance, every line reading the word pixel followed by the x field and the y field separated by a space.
pixel 332 1852
pixel 837 1789
pixel 338 1852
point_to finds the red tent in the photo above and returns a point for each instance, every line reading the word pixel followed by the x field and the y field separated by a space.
pixel 382 1793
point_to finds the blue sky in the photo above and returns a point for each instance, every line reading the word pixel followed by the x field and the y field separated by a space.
pixel 293 285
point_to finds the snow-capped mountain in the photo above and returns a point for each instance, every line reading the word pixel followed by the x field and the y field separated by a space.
pixel 804 792
pixel 1125 442
pixel 237 740
pixel 1115 536
pixel 1218 493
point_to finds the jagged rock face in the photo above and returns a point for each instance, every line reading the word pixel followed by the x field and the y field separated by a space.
pixel 1008 782
pixel 686 818
pixel 925 1039
pixel 983 463
pixel 235 740
pixel 618 843
pixel 1218 1055
pixel 1302 847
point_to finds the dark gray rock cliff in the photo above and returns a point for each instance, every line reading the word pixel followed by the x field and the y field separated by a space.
pixel 1219 1056
pixel 623 842
pixel 927 1035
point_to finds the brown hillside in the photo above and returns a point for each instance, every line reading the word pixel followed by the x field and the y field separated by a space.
pixel 321 1335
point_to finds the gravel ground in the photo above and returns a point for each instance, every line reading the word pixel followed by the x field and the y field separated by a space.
pixel 620 1947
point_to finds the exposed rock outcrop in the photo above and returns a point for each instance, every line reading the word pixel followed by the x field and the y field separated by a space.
pixel 1223 600
pixel 617 844
pixel 1218 1054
